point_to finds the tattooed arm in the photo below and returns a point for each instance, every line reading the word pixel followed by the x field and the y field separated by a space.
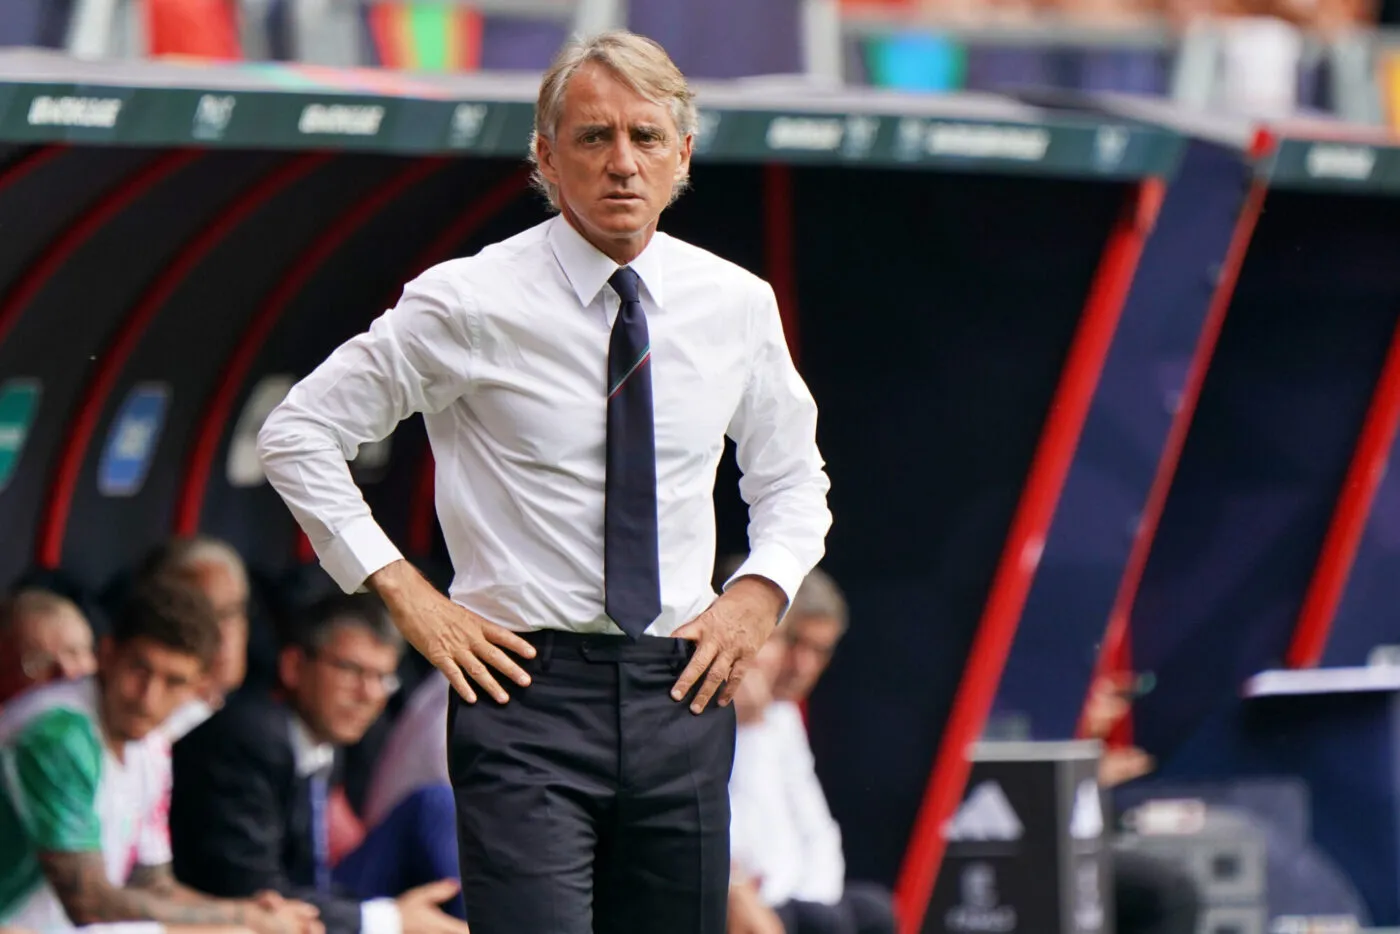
pixel 80 882
pixel 159 880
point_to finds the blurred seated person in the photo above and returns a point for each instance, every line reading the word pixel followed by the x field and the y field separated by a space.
pixel 83 833
pixel 43 637
pixel 1150 895
pixel 789 866
pixel 410 781
pixel 217 570
pixel 249 810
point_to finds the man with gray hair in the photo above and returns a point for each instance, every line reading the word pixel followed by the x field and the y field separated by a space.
pixel 790 867
pixel 43 637
pixel 577 382
pixel 217 570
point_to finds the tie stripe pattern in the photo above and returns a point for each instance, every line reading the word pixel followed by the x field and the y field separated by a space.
pixel 646 358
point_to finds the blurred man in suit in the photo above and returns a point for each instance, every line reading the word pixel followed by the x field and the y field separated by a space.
pixel 43 637
pixel 790 870
pixel 250 805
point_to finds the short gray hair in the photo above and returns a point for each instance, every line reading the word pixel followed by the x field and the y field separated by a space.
pixel 34 602
pixel 182 555
pixel 638 62
pixel 819 597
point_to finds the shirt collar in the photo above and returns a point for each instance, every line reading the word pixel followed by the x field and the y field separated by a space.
pixel 588 270
pixel 311 756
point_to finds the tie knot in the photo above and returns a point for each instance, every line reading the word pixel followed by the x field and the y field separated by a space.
pixel 624 283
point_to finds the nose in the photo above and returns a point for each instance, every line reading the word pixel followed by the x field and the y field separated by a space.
pixel 151 692
pixel 622 163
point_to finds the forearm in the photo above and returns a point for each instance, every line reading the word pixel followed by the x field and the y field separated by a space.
pixel 104 903
pixel 153 895
pixel 181 907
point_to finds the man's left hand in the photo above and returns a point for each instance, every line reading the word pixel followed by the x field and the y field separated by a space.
pixel 728 635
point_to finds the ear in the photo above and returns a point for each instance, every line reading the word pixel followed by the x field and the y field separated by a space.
pixel 544 155
pixel 687 149
pixel 289 664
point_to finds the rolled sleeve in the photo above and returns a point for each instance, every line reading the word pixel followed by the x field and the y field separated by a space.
pixel 777 564
pixel 360 549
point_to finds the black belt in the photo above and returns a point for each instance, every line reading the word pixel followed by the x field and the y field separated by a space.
pixel 603 647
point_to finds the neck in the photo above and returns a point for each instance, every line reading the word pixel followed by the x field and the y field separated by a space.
pixel 110 739
pixel 313 734
pixel 621 250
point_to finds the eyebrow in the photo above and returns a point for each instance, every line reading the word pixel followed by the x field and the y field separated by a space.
pixel 608 128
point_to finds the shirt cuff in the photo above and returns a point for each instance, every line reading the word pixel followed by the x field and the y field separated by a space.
pixel 777 564
pixel 358 551
pixel 380 916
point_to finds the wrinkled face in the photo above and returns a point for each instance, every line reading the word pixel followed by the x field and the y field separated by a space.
pixel 811 641
pixel 615 158
pixel 229 597
pixel 55 645
pixel 341 688
pixel 143 682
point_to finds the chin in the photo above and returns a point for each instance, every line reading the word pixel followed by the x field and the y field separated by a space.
pixel 622 220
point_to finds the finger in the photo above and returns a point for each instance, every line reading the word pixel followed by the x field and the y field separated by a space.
pixel 737 672
pixel 714 678
pixel 503 663
pixel 476 670
pixel 693 631
pixel 453 673
pixel 435 892
pixel 704 654
pixel 503 637
pixel 450 925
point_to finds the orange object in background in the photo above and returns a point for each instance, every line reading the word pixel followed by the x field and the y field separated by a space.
pixel 195 28
pixel 1389 76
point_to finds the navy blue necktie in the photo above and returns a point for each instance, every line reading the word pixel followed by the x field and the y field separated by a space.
pixel 631 555
pixel 319 789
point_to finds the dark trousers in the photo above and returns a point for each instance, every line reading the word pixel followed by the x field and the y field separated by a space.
pixel 591 802
pixel 864 909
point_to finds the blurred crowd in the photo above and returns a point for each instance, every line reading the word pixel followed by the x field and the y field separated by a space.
pixel 1320 15
pixel 149 783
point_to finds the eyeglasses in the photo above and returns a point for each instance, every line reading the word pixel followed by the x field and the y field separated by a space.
pixel 350 671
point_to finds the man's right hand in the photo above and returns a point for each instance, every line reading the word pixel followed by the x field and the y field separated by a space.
pixel 290 918
pixel 748 914
pixel 457 641
pixel 420 910
pixel 289 914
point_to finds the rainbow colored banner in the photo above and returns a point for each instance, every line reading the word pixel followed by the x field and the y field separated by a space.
pixel 421 35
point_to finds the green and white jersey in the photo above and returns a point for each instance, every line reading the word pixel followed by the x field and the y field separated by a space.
pixel 62 790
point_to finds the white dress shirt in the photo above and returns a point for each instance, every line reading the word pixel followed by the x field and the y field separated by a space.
pixel 781 831
pixel 505 354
